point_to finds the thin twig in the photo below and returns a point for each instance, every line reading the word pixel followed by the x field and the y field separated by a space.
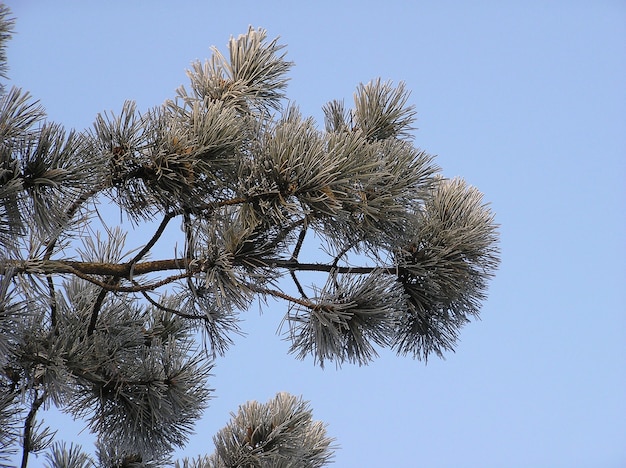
pixel 285 232
pixel 323 267
pixel 188 246
pixel 335 263
pixel 153 240
pixel 117 288
pixel 51 243
pixel 212 205
pixel 301 236
pixel 298 285
pixel 343 251
pixel 294 257
pixel 28 426
pixel 95 311
pixel 282 295
pixel 170 310
pixel 53 302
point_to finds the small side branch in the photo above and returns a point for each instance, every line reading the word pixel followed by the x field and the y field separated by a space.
pixel 301 236
pixel 153 240
pixel 297 283
pixel 53 302
pixel 343 251
pixel 286 231
pixel 188 246
pixel 335 263
pixel 95 311
pixel 131 289
pixel 282 295
pixel 28 426
pixel 294 257
pixel 50 245
pixel 323 267
pixel 170 310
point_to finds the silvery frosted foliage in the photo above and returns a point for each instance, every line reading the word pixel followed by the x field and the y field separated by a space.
pixel 353 314
pixel 280 433
pixel 6 28
pixel 444 268
pixel 61 455
pixel 236 197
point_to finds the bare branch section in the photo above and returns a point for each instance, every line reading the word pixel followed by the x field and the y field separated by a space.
pixel 353 226
pixel 52 267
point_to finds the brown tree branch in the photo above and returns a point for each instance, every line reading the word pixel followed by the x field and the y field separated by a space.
pixel 123 270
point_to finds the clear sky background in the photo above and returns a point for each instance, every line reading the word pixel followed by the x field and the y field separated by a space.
pixel 524 99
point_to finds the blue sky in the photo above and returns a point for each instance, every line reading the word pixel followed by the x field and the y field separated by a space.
pixel 525 100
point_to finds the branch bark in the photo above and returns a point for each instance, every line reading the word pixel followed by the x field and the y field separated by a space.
pixel 123 270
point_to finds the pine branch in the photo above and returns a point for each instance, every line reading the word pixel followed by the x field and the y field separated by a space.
pixel 123 270
pixel 248 187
